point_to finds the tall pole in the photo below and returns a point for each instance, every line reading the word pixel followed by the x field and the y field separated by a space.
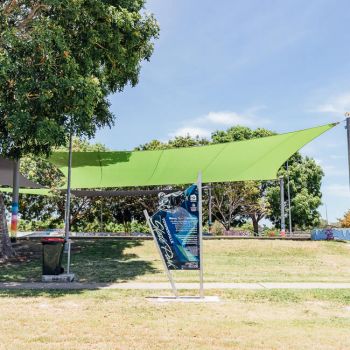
pixel 200 224
pixel 283 224
pixel 289 206
pixel 15 197
pixel 348 138
pixel 101 216
pixel 68 195
pixel 209 209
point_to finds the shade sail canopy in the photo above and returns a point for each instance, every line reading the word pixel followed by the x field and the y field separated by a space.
pixel 256 159
pixel 6 175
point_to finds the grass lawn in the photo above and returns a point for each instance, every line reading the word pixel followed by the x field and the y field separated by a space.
pixel 115 319
pixel 126 319
pixel 224 261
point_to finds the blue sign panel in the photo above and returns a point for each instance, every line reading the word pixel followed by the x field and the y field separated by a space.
pixel 176 229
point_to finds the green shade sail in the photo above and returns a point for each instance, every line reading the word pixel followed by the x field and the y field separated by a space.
pixel 32 191
pixel 257 159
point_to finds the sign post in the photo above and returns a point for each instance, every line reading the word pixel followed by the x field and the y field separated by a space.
pixel 200 232
pixel 177 231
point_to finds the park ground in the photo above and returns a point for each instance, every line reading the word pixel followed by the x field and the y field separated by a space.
pixel 129 319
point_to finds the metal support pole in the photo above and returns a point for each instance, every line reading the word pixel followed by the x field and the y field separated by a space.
pixel 15 198
pixel 67 211
pixel 170 277
pixel 101 216
pixel 200 224
pixel 210 223
pixel 283 224
pixel 289 206
pixel 348 138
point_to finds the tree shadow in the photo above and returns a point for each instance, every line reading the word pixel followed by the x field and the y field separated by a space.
pixel 94 261
pixel 105 261
pixel 90 159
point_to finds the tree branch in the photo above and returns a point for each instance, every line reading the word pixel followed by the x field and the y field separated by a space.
pixel 10 6
pixel 36 9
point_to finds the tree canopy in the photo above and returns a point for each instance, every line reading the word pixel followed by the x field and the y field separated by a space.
pixel 345 220
pixel 59 61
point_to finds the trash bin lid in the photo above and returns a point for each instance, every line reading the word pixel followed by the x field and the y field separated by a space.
pixel 52 240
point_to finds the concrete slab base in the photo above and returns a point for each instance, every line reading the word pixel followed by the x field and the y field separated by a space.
pixel 184 299
pixel 62 278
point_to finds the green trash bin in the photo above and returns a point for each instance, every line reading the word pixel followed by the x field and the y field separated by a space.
pixel 52 255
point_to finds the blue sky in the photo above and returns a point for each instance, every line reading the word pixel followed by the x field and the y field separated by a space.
pixel 282 65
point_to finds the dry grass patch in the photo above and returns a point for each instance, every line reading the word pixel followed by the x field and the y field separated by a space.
pixel 127 320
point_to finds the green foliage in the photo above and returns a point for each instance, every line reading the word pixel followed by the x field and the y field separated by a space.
pixel 229 200
pixel 114 227
pixel 59 61
pixel 177 142
pixel 247 226
pixel 239 133
pixel 345 221
pixel 305 178
pixel 35 225
pixel 217 228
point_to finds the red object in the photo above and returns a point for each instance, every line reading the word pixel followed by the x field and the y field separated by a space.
pixel 52 239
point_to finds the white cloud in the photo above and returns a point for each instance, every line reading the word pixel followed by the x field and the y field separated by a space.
pixel 225 118
pixel 190 131
pixel 338 104
pixel 337 190
pixel 203 126
pixel 336 156
pixel 334 170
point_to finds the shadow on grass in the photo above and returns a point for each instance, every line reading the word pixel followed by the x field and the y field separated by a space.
pixel 100 261
pixel 106 261
pixel 35 293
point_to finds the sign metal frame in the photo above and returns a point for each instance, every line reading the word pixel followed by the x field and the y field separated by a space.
pixel 200 234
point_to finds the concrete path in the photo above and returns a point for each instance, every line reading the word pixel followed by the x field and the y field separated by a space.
pixel 165 286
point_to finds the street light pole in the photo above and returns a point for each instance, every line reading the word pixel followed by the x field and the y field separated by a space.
pixel 347 127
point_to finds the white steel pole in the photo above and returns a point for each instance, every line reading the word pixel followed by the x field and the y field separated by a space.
pixel 289 206
pixel 170 277
pixel 200 224
pixel 283 225
pixel 68 195
pixel 209 209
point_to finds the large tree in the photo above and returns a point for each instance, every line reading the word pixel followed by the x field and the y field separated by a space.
pixel 305 177
pixel 59 61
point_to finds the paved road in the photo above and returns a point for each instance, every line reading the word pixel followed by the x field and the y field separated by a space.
pixel 164 286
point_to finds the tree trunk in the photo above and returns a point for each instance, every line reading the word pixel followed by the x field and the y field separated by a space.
pixel 255 225
pixel 6 250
